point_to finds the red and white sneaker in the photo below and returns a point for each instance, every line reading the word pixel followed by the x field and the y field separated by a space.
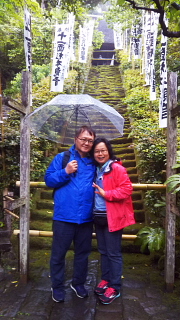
pixel 101 287
pixel 109 295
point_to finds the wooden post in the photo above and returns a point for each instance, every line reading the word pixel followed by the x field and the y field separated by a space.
pixel 25 179
pixel 171 198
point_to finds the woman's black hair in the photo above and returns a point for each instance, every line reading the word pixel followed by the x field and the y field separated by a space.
pixel 108 146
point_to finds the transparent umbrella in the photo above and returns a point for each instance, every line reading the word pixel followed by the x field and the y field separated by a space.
pixel 58 119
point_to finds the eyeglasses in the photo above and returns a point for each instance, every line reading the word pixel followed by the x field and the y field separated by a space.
pixel 84 140
pixel 100 151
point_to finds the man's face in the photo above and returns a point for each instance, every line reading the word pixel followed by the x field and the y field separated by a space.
pixel 84 143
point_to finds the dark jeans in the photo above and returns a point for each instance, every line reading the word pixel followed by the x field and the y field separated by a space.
pixel 109 246
pixel 63 235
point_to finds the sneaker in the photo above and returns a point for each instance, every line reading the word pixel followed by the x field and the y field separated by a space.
pixel 101 287
pixel 109 295
pixel 58 295
pixel 80 291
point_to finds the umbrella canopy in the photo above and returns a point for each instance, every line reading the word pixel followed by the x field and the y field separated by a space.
pixel 58 119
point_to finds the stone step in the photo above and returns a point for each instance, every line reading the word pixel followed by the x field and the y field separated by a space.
pixel 5 243
pixel 42 214
pixel 121 146
pixel 127 130
pixel 123 149
pixel 125 134
pixel 124 140
pixel 127 126
pixel 137 195
pixel 46 194
pixel 127 156
pixel 133 177
pixel 133 229
pixel 38 224
pixel 131 170
pixel 129 163
pixel 139 215
pixel 138 204
pixel 45 204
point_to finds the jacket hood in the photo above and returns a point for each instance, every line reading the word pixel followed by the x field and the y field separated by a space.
pixel 109 165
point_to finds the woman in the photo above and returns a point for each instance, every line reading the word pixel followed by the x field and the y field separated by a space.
pixel 113 211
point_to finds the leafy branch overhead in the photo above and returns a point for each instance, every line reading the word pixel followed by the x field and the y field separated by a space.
pixel 168 8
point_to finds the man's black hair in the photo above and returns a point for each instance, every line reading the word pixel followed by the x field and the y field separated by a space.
pixel 85 128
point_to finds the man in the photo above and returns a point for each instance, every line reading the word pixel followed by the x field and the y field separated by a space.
pixel 72 219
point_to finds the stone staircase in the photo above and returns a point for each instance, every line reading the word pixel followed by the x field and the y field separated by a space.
pixel 104 83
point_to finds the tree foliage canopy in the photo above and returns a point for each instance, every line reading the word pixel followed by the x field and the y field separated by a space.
pixel 44 16
pixel 168 8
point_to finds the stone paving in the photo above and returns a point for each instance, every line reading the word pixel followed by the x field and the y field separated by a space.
pixel 142 298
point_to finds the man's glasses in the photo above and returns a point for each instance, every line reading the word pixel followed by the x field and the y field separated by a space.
pixel 84 140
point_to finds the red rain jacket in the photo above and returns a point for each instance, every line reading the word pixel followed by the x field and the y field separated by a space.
pixel 118 190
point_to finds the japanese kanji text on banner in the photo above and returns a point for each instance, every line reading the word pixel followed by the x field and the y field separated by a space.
pixel 27 38
pixel 60 58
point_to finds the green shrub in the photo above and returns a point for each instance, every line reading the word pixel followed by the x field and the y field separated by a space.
pixel 149 140
pixel 152 239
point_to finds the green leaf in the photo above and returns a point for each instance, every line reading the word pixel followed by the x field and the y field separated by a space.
pixel 144 245
pixel 153 238
pixel 120 2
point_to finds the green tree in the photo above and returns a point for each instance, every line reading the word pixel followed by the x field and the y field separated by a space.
pixel 69 5
pixel 12 59
pixel 170 8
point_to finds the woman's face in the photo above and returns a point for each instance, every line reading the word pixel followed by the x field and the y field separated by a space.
pixel 101 154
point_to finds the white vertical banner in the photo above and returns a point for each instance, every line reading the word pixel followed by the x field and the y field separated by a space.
pixel 27 39
pixel 147 45
pixel 163 83
pixel 139 32
pixel 141 35
pixel 130 47
pixel 83 44
pixel 90 31
pixel 124 39
pixel 60 57
pixel 71 21
pixel 112 61
pixel 118 38
pixel 28 46
pixel 143 44
pixel 127 39
pixel 154 30
pixel 137 40
pixel 70 50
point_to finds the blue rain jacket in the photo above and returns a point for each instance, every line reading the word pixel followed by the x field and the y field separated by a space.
pixel 74 194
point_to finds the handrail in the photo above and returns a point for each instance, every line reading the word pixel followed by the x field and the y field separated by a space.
pixel 38 233
pixel 136 186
